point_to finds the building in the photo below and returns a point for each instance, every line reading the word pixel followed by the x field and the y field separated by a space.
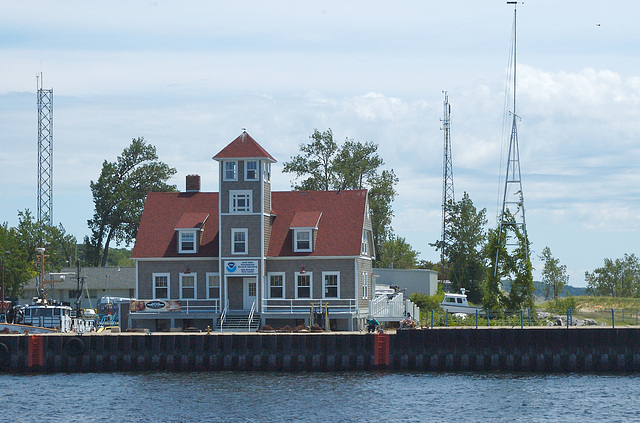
pixel 410 281
pixel 246 256
pixel 98 282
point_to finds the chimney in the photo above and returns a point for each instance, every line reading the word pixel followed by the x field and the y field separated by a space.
pixel 193 183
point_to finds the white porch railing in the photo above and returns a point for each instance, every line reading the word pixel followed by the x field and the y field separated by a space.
pixel 250 320
pixel 393 308
pixel 303 305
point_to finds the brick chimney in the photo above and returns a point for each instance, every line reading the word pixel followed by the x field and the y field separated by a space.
pixel 193 183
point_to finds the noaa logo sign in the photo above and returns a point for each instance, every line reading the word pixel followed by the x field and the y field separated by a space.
pixel 242 267
pixel 155 305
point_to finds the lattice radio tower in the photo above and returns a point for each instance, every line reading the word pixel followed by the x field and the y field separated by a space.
pixel 513 197
pixel 45 153
pixel 447 184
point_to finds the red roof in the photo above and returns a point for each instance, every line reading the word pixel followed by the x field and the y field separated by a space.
pixel 244 147
pixel 163 211
pixel 306 219
pixel 192 221
pixel 339 230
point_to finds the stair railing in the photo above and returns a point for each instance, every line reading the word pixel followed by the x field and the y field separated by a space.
pixel 250 321
pixel 224 313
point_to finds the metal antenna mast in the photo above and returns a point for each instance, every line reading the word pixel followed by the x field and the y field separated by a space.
pixel 45 153
pixel 447 184
pixel 513 194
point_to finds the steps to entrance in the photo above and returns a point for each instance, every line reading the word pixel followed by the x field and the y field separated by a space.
pixel 239 323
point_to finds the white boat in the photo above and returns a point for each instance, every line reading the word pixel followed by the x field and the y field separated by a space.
pixel 457 303
pixel 41 313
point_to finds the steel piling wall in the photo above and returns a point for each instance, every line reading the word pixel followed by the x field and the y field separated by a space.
pixel 460 349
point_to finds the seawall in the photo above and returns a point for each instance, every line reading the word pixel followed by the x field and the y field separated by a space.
pixel 446 349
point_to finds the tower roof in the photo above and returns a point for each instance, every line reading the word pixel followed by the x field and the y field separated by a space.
pixel 243 147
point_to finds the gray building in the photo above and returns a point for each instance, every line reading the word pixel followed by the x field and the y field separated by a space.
pixel 246 256
pixel 410 280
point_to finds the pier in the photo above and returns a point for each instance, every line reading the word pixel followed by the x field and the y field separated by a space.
pixel 589 350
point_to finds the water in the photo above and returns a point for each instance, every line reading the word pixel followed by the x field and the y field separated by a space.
pixel 318 397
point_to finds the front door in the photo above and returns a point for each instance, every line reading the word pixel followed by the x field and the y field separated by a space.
pixel 250 292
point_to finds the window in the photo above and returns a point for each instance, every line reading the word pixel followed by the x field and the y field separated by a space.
pixel 251 170
pixel 230 171
pixel 276 285
pixel 365 286
pixel 161 286
pixel 303 285
pixel 266 171
pixel 213 285
pixel 240 201
pixel 365 243
pixel 188 286
pixel 302 240
pixel 187 241
pixel 331 281
pixel 239 241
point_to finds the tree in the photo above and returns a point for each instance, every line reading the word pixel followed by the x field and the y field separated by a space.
pixel 119 195
pixel 554 275
pixel 396 253
pixel 464 254
pixel 18 247
pixel 323 165
pixel 316 163
pixel 619 278
pixel 514 264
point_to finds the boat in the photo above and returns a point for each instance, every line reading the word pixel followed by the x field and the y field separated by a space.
pixel 457 303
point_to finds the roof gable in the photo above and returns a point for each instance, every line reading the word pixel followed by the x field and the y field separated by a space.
pixel 164 212
pixel 339 230
pixel 243 147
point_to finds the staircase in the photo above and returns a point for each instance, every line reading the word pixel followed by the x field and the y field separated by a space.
pixel 239 322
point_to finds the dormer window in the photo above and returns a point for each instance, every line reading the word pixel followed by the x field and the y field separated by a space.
pixel 302 240
pixel 187 241
pixel 251 170
pixel 230 171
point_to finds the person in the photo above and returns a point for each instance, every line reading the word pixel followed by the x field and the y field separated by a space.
pixel 372 324
pixel 407 322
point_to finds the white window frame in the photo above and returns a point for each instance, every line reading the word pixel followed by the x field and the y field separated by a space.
pixel 154 277
pixel 266 170
pixel 280 274
pixel 256 170
pixel 235 195
pixel 209 286
pixel 365 243
pixel 324 284
pixel 365 286
pixel 195 286
pixel 235 231
pixel 225 177
pixel 181 242
pixel 307 274
pixel 296 233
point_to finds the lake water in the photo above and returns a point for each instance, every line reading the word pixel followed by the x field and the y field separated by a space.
pixel 318 397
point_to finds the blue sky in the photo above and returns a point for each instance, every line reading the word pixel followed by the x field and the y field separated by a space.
pixel 189 75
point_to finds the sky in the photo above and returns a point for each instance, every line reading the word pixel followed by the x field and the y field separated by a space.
pixel 188 76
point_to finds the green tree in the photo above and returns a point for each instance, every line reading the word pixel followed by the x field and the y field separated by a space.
pixel 322 165
pixel 514 264
pixel 119 195
pixel 492 295
pixel 464 254
pixel 397 253
pixel 315 163
pixel 619 278
pixel 554 275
